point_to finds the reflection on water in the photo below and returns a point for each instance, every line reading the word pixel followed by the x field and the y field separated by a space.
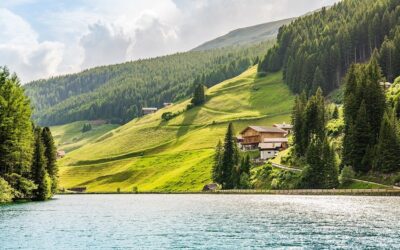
pixel 202 221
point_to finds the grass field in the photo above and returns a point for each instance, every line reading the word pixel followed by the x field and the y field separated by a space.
pixel 69 137
pixel 152 154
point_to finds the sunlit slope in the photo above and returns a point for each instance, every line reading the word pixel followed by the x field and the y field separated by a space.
pixel 70 137
pixel 152 154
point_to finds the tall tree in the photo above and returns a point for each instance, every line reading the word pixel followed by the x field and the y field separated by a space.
pixel 217 164
pixel 198 96
pixel 388 147
pixel 39 165
pixel 15 126
pixel 50 154
pixel 230 158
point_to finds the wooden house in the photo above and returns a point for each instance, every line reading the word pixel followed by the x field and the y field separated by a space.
pixel 254 135
pixel 147 111
pixel 271 147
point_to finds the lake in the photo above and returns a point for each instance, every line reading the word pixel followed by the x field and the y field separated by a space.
pixel 201 222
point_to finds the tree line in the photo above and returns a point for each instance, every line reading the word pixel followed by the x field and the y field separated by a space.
pixel 28 168
pixel 317 50
pixel 118 93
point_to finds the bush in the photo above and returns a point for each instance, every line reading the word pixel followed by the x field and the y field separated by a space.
pixel 6 191
pixel 135 190
pixel 346 175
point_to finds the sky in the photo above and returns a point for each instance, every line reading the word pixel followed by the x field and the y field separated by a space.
pixel 45 38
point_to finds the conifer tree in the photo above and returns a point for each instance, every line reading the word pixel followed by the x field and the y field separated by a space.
pixel 198 96
pixel 217 164
pixel 361 140
pixel 50 154
pixel 388 147
pixel 335 113
pixel 16 135
pixel 230 158
pixel 318 81
pixel 40 175
pixel 331 176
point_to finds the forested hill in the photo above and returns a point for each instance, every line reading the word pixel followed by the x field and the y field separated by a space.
pixel 316 50
pixel 248 35
pixel 117 93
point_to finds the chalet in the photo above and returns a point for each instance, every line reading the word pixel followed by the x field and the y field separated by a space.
pixel 287 127
pixel 147 111
pixel 254 135
pixel 60 154
pixel 167 104
pixel 271 147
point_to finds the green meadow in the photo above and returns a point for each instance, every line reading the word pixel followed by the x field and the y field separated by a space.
pixel 175 155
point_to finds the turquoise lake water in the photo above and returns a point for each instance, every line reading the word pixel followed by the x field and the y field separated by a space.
pixel 202 222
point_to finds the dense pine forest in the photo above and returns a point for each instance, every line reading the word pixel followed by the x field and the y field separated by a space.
pixel 28 168
pixel 316 50
pixel 117 93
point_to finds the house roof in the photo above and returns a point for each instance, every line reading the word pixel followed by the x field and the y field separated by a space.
pixel 283 125
pixel 271 140
pixel 149 109
pixel 61 152
pixel 264 129
pixel 269 145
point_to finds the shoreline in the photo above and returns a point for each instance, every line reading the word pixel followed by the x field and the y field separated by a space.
pixel 310 192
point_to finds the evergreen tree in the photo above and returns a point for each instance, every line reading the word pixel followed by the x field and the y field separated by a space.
pixel 15 126
pixel 318 81
pixel 217 164
pixel 198 96
pixel 361 140
pixel 230 158
pixel 388 147
pixel 39 165
pixel 331 176
pixel 50 154
pixel 299 125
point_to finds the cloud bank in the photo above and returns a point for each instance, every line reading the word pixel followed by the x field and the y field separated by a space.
pixel 65 37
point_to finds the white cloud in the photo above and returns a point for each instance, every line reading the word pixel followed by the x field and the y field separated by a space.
pixel 21 51
pixel 98 32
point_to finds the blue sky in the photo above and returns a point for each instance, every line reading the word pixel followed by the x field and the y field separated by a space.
pixel 44 38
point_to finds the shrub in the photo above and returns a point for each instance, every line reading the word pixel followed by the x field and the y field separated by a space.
pixel 346 175
pixel 6 191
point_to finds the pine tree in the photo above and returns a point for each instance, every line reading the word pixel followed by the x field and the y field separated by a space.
pixel 39 164
pixel 299 125
pixel 16 135
pixel 318 81
pixel 361 139
pixel 50 154
pixel 331 176
pixel 230 158
pixel 198 96
pixel 217 165
pixel 388 147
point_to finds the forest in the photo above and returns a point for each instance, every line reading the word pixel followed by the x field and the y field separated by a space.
pixel 317 50
pixel 117 93
pixel 28 168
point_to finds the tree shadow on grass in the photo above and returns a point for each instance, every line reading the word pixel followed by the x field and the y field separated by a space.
pixel 189 117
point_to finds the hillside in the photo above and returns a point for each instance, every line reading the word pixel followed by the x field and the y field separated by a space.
pixel 117 93
pixel 316 50
pixel 152 154
pixel 248 35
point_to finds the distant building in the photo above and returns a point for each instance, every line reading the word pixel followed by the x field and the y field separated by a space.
pixel 210 187
pixel 271 147
pixel 254 135
pixel 77 189
pixel 287 127
pixel 167 104
pixel 60 154
pixel 147 111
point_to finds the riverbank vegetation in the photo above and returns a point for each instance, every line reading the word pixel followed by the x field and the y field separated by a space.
pixel 28 167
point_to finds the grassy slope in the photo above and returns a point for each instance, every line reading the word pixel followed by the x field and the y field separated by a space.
pixel 151 154
pixel 69 137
